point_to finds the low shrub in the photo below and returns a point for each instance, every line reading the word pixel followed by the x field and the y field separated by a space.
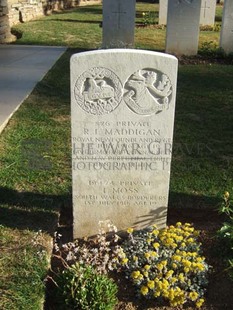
pixel 166 264
pixel 225 233
pixel 81 287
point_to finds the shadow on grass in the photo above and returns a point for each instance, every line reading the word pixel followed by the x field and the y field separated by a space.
pixel 73 21
pixel 33 211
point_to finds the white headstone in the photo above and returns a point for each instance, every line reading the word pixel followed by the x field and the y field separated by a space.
pixel 208 9
pixel 118 23
pixel 226 37
pixel 122 111
pixel 183 27
pixel 163 12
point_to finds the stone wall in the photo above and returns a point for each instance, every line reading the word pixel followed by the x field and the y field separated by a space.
pixel 5 34
pixel 16 11
pixel 24 10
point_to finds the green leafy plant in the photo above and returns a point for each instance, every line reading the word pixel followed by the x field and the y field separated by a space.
pixel 166 264
pixel 208 48
pixel 149 18
pixel 81 287
pixel 225 233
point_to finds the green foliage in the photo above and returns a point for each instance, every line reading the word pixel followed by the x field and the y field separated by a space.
pixel 149 18
pixel 225 233
pixel 166 264
pixel 81 287
pixel 208 48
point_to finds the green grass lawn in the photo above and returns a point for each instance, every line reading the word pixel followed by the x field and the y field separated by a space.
pixel 35 157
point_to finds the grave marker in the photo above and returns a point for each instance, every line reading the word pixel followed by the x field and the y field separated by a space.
pixel 163 12
pixel 118 23
pixel 122 112
pixel 226 37
pixel 208 8
pixel 183 27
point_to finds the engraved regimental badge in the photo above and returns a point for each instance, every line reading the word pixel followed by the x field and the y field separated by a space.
pixel 148 92
pixel 98 91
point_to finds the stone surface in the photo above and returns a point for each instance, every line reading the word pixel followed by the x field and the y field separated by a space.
pixel 183 27
pixel 226 37
pixel 122 112
pixel 207 16
pixel 163 12
pixel 118 23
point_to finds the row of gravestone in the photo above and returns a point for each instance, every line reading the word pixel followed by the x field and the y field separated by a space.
pixel 122 119
pixel 207 12
pixel 182 17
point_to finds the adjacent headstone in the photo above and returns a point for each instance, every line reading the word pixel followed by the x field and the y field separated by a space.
pixel 208 9
pixel 226 37
pixel 183 27
pixel 122 112
pixel 118 23
pixel 163 12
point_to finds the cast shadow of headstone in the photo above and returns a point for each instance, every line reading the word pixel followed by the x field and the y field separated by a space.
pixel 34 211
pixel 157 216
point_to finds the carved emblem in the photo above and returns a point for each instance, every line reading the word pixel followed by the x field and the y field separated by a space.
pixel 148 92
pixel 98 91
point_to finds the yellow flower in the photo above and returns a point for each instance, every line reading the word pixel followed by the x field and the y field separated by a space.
pixel 186 263
pixel 153 254
pixel 124 261
pixel 135 274
pixel 130 230
pixel 169 274
pixel 145 273
pixel 147 255
pixel 151 284
pixel 178 224
pixel 200 266
pixel 157 294
pixel 226 195
pixel 165 284
pixel 173 280
pixel 146 267
pixel 135 258
pixel 193 295
pixel 176 258
pixel 181 277
pixel 144 290
pixel 156 245
pixel 200 302
pixel 155 232
pixel 174 266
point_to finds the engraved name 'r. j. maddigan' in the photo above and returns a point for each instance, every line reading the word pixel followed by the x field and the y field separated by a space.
pixel 98 91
